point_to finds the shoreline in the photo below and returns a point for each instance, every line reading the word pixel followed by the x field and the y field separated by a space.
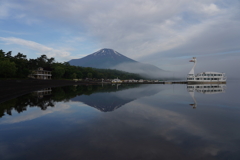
pixel 10 89
pixel 13 88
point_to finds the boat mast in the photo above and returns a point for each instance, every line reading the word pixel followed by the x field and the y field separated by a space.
pixel 192 70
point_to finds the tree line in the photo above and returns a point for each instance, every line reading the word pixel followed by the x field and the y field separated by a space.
pixel 19 66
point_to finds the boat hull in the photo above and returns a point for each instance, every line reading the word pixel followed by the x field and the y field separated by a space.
pixel 206 82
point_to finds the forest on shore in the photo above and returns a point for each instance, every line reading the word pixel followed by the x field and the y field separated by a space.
pixel 19 66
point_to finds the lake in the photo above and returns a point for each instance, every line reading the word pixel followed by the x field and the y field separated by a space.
pixel 123 122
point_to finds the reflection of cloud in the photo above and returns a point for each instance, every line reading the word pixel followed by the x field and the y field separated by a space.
pixel 33 114
pixel 142 128
pixel 138 92
pixel 171 120
pixel 212 150
pixel 172 126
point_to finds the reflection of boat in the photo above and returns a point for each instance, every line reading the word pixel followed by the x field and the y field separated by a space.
pixel 116 85
pixel 205 89
pixel 205 77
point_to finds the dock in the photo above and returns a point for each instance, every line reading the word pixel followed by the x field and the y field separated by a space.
pixel 162 82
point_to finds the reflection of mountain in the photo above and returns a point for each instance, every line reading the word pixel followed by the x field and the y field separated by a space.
pixel 103 101
pixel 48 97
pixel 110 101
pixel 205 89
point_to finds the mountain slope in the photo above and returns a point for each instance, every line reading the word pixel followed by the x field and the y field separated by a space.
pixel 110 59
pixel 104 58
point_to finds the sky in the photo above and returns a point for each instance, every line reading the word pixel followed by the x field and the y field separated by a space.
pixel 165 33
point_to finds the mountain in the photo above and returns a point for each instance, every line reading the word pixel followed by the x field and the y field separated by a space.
pixel 104 58
pixel 110 59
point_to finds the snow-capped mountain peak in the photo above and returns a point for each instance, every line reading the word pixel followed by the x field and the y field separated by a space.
pixel 106 51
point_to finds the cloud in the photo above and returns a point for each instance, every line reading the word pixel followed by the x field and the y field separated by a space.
pixel 41 49
pixel 153 31
pixel 136 28
pixel 4 10
pixel 211 9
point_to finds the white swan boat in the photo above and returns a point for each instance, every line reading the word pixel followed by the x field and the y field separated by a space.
pixel 205 77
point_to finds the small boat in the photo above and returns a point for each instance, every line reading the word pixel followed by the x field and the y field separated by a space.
pixel 205 77
pixel 116 81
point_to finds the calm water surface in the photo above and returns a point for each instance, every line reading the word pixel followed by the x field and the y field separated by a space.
pixel 142 122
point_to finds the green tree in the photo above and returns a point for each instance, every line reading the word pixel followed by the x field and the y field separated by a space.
pixel 21 62
pixel 20 56
pixel 100 75
pixel 74 76
pixel 58 72
pixel 9 54
pixel 7 68
pixel 89 75
pixel 2 54
pixel 79 75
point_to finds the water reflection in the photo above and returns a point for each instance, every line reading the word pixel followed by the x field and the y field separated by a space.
pixel 110 101
pixel 154 122
pixel 43 92
pixel 204 89
pixel 104 98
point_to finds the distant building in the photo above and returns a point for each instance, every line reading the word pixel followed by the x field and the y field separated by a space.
pixel 40 74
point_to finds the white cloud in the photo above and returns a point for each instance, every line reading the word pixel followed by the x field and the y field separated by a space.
pixel 4 10
pixel 39 48
pixel 140 29
pixel 211 9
